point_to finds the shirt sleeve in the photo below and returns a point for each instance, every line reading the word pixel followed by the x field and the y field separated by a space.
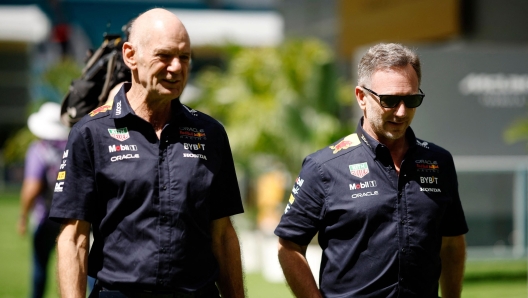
pixel 34 166
pixel 226 199
pixel 302 216
pixel 453 221
pixel 75 186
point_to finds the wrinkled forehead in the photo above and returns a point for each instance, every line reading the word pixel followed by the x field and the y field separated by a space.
pixel 173 40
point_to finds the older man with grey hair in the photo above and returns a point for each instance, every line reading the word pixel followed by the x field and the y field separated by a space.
pixel 155 180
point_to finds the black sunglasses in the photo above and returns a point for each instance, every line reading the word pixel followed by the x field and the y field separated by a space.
pixel 391 101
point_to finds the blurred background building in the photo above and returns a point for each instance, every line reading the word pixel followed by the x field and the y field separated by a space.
pixel 474 55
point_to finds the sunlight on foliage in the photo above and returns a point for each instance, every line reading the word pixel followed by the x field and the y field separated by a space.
pixel 517 132
pixel 58 77
pixel 16 146
pixel 280 102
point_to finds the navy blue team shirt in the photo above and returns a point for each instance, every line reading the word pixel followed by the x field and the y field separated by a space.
pixel 380 232
pixel 150 201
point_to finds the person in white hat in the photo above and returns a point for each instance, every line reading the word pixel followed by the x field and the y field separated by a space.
pixel 43 159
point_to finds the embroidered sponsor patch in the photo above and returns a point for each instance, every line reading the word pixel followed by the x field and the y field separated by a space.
pixel 347 142
pixel 429 180
pixel 192 133
pixel 119 148
pixel 364 194
pixel 123 157
pixel 365 141
pixel 359 169
pixel 361 185
pixel 61 175
pixel 192 111
pixel 424 165
pixel 299 181
pixel 292 199
pixel 422 144
pixel 59 186
pixel 118 108
pixel 295 189
pixel 100 109
pixel 427 189
pixel 197 146
pixel 192 155
pixel 289 204
pixel 119 134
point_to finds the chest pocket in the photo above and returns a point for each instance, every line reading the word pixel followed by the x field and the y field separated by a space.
pixel 195 163
pixel 432 191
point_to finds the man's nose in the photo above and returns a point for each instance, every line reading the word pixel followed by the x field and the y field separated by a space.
pixel 175 65
pixel 400 109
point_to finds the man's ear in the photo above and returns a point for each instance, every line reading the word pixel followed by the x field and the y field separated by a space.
pixel 129 55
pixel 360 97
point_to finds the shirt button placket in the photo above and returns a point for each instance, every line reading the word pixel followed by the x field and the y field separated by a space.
pixel 163 218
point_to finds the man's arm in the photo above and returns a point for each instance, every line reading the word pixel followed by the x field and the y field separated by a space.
pixel 292 258
pixel 226 249
pixel 31 188
pixel 73 245
pixel 453 255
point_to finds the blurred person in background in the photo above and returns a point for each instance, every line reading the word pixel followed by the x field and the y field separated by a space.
pixel 155 179
pixel 385 203
pixel 43 159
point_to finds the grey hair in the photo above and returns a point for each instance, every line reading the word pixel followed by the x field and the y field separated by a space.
pixel 385 56
pixel 133 35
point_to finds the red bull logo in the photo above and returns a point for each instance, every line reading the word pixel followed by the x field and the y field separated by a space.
pixel 349 141
pixel 423 167
pixel 192 133
pixel 100 110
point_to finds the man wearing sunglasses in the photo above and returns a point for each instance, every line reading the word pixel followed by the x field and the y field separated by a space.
pixel 384 203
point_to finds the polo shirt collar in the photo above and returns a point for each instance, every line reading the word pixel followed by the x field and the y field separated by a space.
pixel 121 108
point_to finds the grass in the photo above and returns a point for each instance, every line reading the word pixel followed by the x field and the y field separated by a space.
pixel 486 286
pixel 483 279
pixel 15 254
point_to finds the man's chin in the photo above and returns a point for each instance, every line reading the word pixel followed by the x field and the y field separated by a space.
pixel 170 92
pixel 395 135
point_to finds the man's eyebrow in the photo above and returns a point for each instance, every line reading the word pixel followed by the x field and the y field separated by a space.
pixel 171 51
pixel 161 50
